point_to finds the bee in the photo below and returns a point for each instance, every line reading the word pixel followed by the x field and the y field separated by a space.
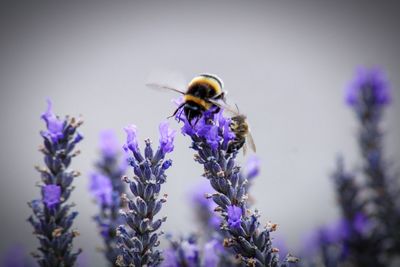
pixel 203 93
pixel 240 127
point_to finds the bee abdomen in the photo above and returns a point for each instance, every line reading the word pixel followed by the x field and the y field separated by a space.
pixel 236 144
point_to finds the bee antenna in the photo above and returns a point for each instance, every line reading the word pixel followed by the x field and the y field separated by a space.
pixel 237 108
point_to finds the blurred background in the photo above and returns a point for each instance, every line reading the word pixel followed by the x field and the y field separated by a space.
pixel 285 63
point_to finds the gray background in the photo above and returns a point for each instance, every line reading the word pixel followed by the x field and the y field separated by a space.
pixel 286 63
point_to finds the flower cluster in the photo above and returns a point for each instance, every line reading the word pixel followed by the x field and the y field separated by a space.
pixel 107 187
pixel 138 239
pixel 211 136
pixel 208 220
pixel 52 219
pixel 368 234
pixel 185 252
pixel 189 252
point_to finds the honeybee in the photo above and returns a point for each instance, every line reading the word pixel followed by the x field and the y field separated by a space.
pixel 241 129
pixel 203 93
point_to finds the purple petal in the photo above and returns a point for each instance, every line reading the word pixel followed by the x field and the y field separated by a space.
pixel 131 138
pixel 51 195
pixel 108 144
pixel 167 136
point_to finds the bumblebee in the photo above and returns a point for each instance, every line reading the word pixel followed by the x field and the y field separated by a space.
pixel 203 93
pixel 241 129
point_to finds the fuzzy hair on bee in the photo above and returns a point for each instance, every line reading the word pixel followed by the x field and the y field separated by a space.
pixel 202 94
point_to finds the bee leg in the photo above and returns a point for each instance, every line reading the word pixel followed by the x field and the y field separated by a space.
pixel 176 111
pixel 197 120
pixel 188 118
pixel 216 110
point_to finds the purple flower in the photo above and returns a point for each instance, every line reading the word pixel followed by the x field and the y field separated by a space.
pixel 101 188
pixel 190 250
pixel 224 124
pixel 210 133
pixel 51 195
pixel 212 249
pixel 198 192
pixel 170 259
pixel 368 85
pixel 360 223
pixel 166 164
pixel 234 216
pixel 279 243
pixel 253 167
pixel 108 144
pixel 131 138
pixel 187 129
pixel 205 205
pixel 167 136
pixel 326 235
pixel 54 125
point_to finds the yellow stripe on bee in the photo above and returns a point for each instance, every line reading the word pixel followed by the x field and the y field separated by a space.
pixel 198 101
pixel 209 81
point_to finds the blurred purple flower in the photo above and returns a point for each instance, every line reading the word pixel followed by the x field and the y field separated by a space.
pixel 279 243
pixel 131 139
pixel 198 192
pixel 108 144
pixel 197 195
pixel 360 223
pixel 212 249
pixel 369 84
pixel 53 124
pixel 167 136
pixel 253 167
pixel 101 188
pixel 170 259
pixel 190 250
pixel 51 195
pixel 234 216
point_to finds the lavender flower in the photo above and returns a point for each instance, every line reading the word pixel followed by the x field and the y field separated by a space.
pixel 101 188
pixel 369 87
pixel 52 219
pixel 54 125
pixel 106 187
pixel 204 208
pixel 109 145
pixel 210 140
pixel 234 216
pixel 213 254
pixel 167 136
pixel 184 252
pixel 372 93
pixel 368 233
pixel 189 252
pixel 51 195
pixel 138 239
pixel 253 167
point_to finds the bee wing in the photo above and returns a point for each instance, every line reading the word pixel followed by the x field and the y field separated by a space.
pixel 244 149
pixel 157 86
pixel 250 141
pixel 219 103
